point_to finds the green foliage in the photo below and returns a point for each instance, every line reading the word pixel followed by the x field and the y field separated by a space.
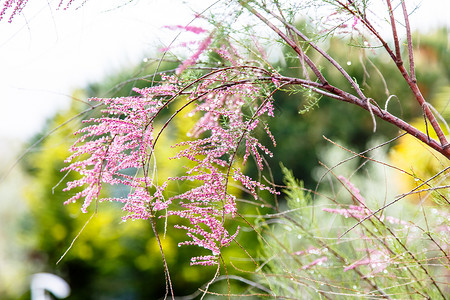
pixel 306 256
pixel 295 192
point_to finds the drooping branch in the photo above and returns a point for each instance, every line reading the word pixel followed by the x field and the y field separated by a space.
pixel 443 147
pixel 396 57
pixel 323 53
pixel 338 94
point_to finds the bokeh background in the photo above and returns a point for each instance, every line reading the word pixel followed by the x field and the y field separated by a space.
pixel 50 59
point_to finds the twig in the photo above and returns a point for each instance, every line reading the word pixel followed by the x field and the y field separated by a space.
pixel 412 72
pixel 291 43
pixel 398 54
pixel 76 237
pixel 444 145
pixel 324 54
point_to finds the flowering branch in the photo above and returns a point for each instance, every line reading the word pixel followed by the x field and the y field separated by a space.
pixel 123 139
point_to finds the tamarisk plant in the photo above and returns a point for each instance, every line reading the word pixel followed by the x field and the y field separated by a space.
pixel 232 100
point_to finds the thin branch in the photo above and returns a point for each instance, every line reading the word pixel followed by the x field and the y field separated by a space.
pixel 169 287
pixel 412 72
pixel 76 237
pixel 356 155
pixel 44 137
pixel 382 114
pixel 324 54
pixel 291 43
pixel 412 84
pixel 398 55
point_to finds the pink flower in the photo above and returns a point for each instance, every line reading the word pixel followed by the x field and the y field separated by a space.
pixel 276 82
pixel 394 220
pixel 318 261
pixel 377 260
pixel 193 59
pixel 355 21
pixel 353 190
pixel 16 5
pixel 353 211
pixel 120 141
pixel 193 29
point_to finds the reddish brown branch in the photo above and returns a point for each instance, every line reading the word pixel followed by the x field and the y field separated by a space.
pixel 443 147
pixel 398 55
pixel 291 43
pixel 369 106
pixel 324 54
pixel 412 72
pixel 410 79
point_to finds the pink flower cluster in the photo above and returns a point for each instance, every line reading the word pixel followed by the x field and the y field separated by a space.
pixel 377 260
pixel 353 211
pixel 221 130
pixel 117 148
pixel 317 261
pixel 193 59
pixel 201 48
pixel 193 29
pixel 119 141
pixel 18 5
